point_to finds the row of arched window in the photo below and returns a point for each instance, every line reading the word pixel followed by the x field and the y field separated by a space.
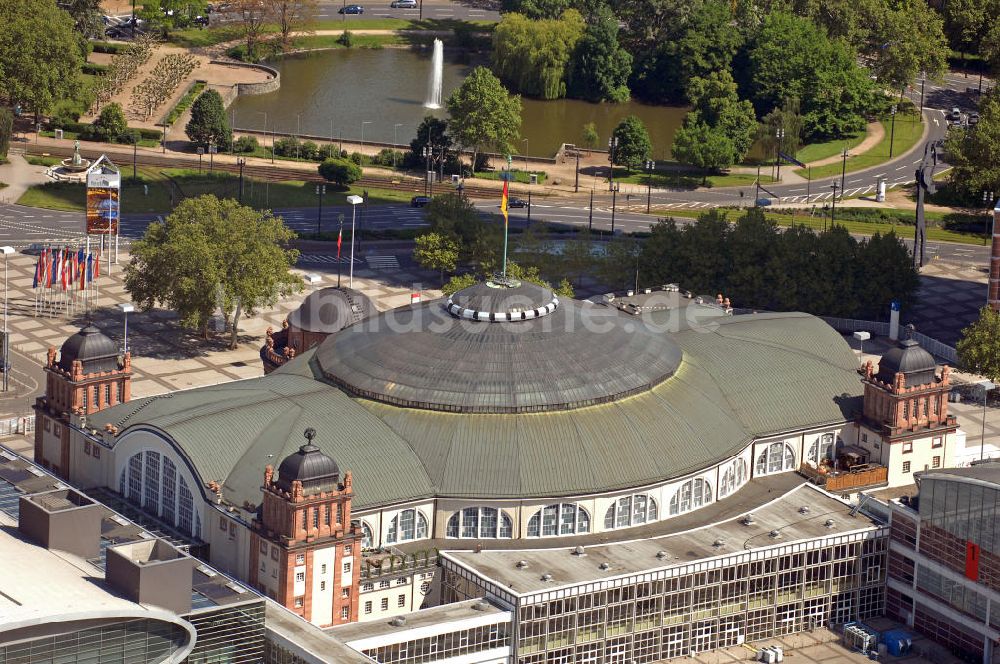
pixel 151 481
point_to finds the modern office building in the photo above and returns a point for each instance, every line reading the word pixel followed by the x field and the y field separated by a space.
pixel 944 560
pixel 82 583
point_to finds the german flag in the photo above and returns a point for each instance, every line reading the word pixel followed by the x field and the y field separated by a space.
pixel 503 203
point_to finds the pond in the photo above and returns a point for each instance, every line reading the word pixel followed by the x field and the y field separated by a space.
pixel 332 92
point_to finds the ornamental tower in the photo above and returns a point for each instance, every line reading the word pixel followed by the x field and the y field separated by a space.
pixel 304 551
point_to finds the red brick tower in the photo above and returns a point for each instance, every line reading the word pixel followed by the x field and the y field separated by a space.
pixel 304 551
pixel 88 376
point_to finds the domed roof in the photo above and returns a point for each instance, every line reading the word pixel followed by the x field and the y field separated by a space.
pixel 514 359
pixel 93 348
pixel 330 310
pixel 310 466
pixel 909 358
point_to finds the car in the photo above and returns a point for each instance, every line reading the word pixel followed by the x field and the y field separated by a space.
pixel 200 20
pixel 34 249
pixel 420 201
pixel 763 202
pixel 517 203
pixel 404 4
pixel 973 119
pixel 955 114
pixel 351 9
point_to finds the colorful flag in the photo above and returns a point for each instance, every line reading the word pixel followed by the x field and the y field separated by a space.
pixel 90 268
pixel 50 271
pixel 503 203
pixel 97 265
pixel 38 272
pixel 340 239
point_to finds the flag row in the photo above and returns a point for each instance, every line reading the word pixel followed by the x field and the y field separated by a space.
pixel 66 269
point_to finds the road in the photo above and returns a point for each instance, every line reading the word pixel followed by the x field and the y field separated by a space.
pixel 327 10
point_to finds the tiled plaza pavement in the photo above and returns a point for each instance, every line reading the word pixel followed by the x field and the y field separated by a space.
pixel 165 356
pixel 948 300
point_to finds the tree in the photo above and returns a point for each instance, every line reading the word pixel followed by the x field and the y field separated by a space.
pixel 909 41
pixel 436 251
pixel 966 23
pixel 600 66
pixel 483 115
pixel 532 56
pixel 975 152
pixel 340 171
pixel 293 16
pixel 979 347
pixel 210 254
pixel 208 124
pixel 590 136
pixel 6 130
pixel 786 118
pixel 717 104
pixel 459 282
pixel 455 216
pixel 634 146
pixel 433 133
pixel 111 123
pixel 253 16
pixel 87 17
pixel 703 146
pixel 38 66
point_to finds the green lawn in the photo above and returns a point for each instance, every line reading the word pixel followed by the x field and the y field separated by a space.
pixel 42 161
pixel 909 129
pixel 689 179
pixel 524 177
pixel 72 136
pixel 357 41
pixel 817 151
pixel 71 197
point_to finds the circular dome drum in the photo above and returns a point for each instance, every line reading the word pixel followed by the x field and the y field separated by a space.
pixel 93 348
pixel 578 355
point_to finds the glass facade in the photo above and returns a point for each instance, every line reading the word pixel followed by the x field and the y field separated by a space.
pixel 443 646
pixel 231 633
pixel 559 519
pixel 151 481
pixel 129 641
pixel 405 526
pixel 479 522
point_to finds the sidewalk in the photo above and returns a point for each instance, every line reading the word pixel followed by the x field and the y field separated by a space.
pixel 18 175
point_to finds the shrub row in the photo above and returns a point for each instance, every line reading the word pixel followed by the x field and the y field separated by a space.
pixel 185 102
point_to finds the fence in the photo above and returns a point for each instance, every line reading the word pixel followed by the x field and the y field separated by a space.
pixel 932 346
pixel 14 426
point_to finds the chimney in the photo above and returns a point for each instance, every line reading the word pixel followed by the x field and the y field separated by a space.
pixel 152 572
pixel 993 298
pixel 63 520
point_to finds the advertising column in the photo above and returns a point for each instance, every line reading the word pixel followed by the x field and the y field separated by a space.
pixel 103 205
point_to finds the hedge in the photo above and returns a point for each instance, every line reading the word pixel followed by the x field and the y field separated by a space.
pixel 94 69
pixel 106 47
pixel 85 129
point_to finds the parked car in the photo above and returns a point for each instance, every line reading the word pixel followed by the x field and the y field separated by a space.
pixel 955 114
pixel 517 203
pixel 34 249
pixel 200 20
pixel 404 4
pixel 351 9
pixel 419 201
pixel 973 119
pixel 763 202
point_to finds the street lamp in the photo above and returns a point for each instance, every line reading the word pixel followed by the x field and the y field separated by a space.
pixel 320 193
pixel 126 308
pixel 614 200
pixel 428 151
pixel 354 200
pixel 395 142
pixel 241 162
pixel 779 134
pixel 612 146
pixel 363 123
pixel 265 136
pixel 986 386
pixel 892 131
pixel 6 251
pixel 650 165
pixel 833 209
pixel 843 170
pixel 525 141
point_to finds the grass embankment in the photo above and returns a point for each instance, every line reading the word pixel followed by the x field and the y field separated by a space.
pixel 524 177
pixel 941 226
pixel 827 149
pixel 165 188
pixel 665 176
pixel 73 135
pixel 909 129
pixel 196 37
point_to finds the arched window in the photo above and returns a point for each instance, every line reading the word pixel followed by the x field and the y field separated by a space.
pixel 367 541
pixel 630 511
pixel 150 480
pixel 690 496
pixel 479 523
pixel 775 458
pixel 559 519
pixel 733 477
pixel 821 448
pixel 405 526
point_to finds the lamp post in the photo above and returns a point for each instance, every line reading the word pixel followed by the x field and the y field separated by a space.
pixel 986 386
pixel 779 134
pixel 163 144
pixel 892 131
pixel 833 209
pixel 923 80
pixel 241 162
pixel 614 200
pixel 363 123
pixel 427 169
pixel 576 184
pixel 135 159
pixel 212 150
pixel 525 141
pixel 650 165
pixel 265 136
pixel 590 212
pixel 843 171
pixel 320 193
pixel 612 146
pixel 6 251
pixel 127 308
pixel 395 142
pixel 354 200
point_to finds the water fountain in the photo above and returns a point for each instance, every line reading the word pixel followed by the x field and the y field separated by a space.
pixel 71 169
pixel 434 80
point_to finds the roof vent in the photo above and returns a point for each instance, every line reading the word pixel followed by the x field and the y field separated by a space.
pixel 398 621
pixel 579 551
pixel 661 554
pixel 546 577
pixel 719 543
pixel 604 566
pixel 804 509
pixel 748 520
pixel 670 288
pixel 829 523
pixel 521 564
pixel 482 605
pixel 775 534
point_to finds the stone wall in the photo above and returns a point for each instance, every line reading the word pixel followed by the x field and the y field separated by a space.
pixel 260 88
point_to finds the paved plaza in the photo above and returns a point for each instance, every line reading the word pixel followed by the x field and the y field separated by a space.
pixel 949 299
pixel 165 356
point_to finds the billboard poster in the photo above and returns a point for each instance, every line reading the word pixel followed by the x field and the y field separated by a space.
pixel 103 191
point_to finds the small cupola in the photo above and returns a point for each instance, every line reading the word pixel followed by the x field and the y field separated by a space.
pixel 315 470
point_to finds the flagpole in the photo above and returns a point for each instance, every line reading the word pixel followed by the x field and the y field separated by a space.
pixel 506 222
pixel 340 235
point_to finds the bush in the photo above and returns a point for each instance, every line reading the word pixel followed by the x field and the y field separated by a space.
pixel 287 147
pixel 111 123
pixel 357 158
pixel 94 69
pixel 339 171
pixel 246 144
pixel 309 150
pixel 107 47
pixel 327 151
pixel 346 39
pixel 130 137
pixel 65 112
pixel 388 157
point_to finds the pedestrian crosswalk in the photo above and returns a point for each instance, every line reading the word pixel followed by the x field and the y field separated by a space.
pixel 383 262
pixel 326 258
pixel 389 262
